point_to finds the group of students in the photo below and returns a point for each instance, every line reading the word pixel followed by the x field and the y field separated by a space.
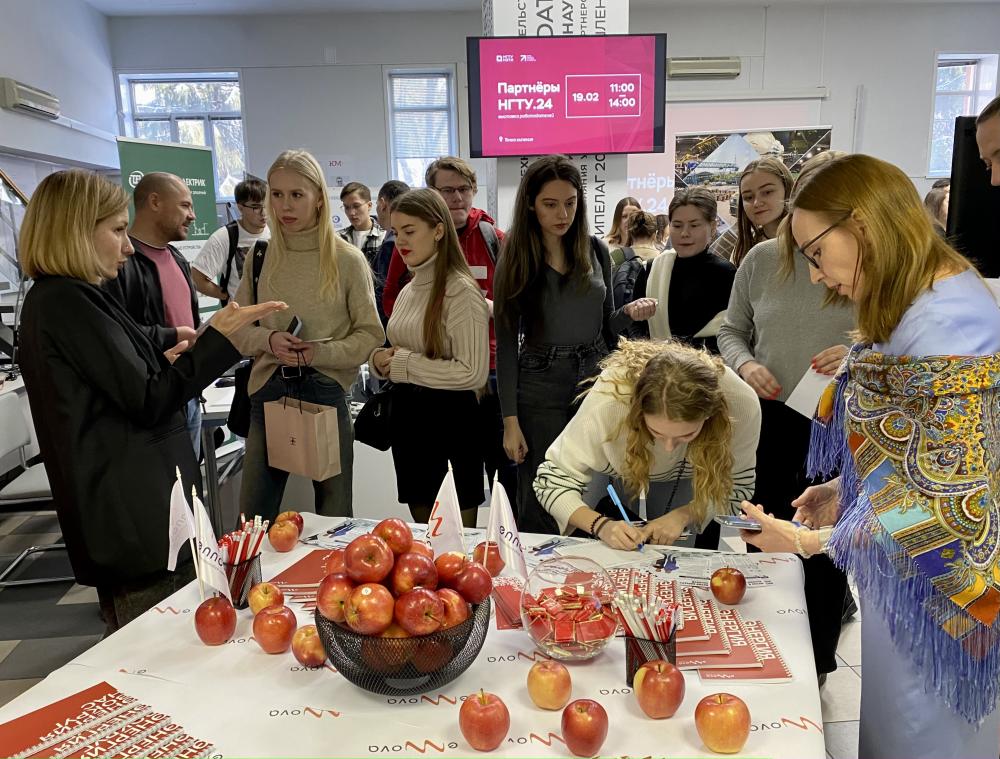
pixel 683 432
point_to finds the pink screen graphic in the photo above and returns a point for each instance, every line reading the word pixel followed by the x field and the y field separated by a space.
pixel 567 95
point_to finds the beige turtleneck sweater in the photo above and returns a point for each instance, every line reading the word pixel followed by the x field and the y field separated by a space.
pixel 466 318
pixel 347 314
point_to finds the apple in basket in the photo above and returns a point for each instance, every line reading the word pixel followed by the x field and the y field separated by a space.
pixel 484 720
pixel 413 570
pixel 488 554
pixel 396 533
pixel 368 559
pixel 265 594
pixel 332 596
pixel 421 547
pixel 723 722
pixel 474 583
pixel 370 609
pixel 274 628
pixel 549 684
pixel 334 562
pixel 659 688
pixel 584 727
pixel 432 654
pixel 307 647
pixel 449 566
pixel 386 658
pixel 215 620
pixel 456 608
pixel 419 612
pixel 728 585
pixel 291 516
pixel 283 536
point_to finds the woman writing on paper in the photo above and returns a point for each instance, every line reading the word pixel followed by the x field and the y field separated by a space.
pixel 108 406
pixel 661 415
pixel 327 285
pixel 912 424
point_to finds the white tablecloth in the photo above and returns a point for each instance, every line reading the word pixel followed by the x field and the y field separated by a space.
pixel 248 703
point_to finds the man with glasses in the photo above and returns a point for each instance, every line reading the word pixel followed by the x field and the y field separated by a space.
pixel 364 232
pixel 219 266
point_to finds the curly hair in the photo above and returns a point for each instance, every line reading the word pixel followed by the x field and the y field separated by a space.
pixel 684 384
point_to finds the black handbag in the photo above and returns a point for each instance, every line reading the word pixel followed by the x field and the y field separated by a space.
pixel 238 420
pixel 372 425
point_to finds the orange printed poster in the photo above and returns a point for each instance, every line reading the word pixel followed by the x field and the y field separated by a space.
pixel 98 721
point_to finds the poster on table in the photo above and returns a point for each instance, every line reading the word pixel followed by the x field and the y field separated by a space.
pixel 193 164
pixel 604 176
pixel 714 160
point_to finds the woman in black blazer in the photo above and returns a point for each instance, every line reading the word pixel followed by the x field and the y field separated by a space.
pixel 107 404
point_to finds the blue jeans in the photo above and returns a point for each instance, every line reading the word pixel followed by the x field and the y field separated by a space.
pixel 192 414
pixel 264 486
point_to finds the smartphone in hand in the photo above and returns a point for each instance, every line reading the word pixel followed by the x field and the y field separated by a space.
pixel 738 523
pixel 294 326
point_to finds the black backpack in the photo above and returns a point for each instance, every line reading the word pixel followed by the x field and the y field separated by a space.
pixel 234 237
pixel 625 276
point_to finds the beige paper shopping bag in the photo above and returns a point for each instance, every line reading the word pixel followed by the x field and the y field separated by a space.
pixel 302 438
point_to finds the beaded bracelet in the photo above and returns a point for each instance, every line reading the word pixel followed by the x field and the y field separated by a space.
pixel 798 543
pixel 601 527
pixel 594 523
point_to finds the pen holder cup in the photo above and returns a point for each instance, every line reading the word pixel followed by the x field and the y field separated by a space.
pixel 638 651
pixel 242 577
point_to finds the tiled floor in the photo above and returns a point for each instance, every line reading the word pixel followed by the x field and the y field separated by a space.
pixel 42 627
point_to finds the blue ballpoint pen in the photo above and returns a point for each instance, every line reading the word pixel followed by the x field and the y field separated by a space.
pixel 618 503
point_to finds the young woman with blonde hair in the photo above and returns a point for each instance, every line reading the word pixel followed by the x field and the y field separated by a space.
pixel 764 187
pixel 107 403
pixel 438 359
pixel 661 415
pixel 912 425
pixel 327 285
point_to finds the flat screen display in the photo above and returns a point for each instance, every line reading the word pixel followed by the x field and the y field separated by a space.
pixel 575 95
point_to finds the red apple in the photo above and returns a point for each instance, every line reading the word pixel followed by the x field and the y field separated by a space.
pixel 413 570
pixel 215 620
pixel 584 727
pixel 484 721
pixel 265 594
pixel 368 559
pixel 449 566
pixel 456 608
pixel 396 533
pixel 291 516
pixel 369 609
pixel 385 658
pixel 549 684
pixel 489 558
pixel 728 585
pixel 421 547
pixel 474 583
pixel 723 722
pixel 659 688
pixel 419 612
pixel 334 562
pixel 283 536
pixel 430 655
pixel 332 596
pixel 307 647
pixel 273 628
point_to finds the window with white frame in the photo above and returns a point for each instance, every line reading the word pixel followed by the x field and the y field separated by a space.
pixel 964 84
pixel 422 120
pixel 190 109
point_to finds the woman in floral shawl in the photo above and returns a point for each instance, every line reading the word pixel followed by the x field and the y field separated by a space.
pixel 912 423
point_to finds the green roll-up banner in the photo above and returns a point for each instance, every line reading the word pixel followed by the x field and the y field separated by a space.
pixel 192 163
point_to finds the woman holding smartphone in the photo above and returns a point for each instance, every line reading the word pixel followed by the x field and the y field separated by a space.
pixel 327 285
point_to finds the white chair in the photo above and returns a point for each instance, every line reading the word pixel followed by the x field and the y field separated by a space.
pixel 31 486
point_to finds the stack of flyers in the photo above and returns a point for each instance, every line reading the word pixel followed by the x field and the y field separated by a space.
pixel 716 642
pixel 740 654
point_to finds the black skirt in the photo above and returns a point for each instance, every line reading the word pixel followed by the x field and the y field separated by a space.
pixel 431 427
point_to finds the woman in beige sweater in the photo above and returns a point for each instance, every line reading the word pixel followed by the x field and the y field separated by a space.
pixel 438 360
pixel 327 285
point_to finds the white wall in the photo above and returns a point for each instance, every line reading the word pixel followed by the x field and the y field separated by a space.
pixel 889 50
pixel 61 46
pixel 292 95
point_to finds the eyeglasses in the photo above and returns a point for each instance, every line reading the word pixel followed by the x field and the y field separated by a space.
pixel 255 207
pixel 802 249
pixel 356 207
pixel 449 191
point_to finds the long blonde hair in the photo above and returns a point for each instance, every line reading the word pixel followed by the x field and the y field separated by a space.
pixel 899 252
pixel 305 165
pixel 684 384
pixel 57 235
pixel 429 207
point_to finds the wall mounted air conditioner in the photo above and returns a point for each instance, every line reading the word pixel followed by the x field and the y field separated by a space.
pixel 23 98
pixel 703 68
